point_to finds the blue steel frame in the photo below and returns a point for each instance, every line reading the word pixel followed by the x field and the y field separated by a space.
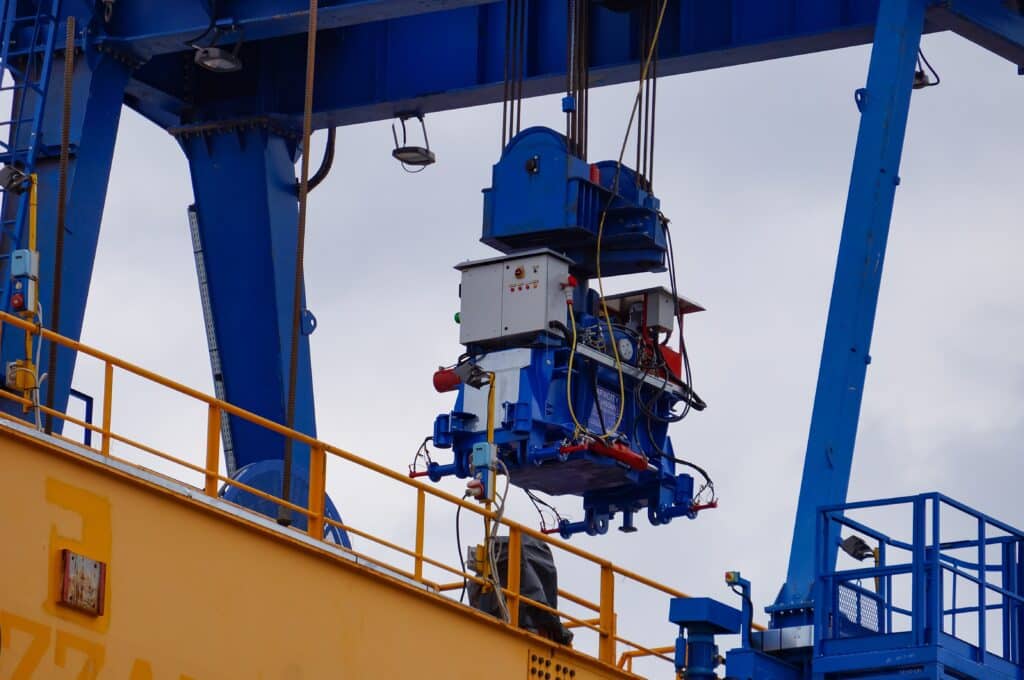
pixel 858 623
pixel 885 106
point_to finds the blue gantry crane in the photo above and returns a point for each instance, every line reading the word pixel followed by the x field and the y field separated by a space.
pixel 587 383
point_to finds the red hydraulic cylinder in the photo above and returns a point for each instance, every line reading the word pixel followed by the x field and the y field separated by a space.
pixel 446 380
pixel 617 452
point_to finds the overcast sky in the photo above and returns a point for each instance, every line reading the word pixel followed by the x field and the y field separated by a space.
pixel 753 167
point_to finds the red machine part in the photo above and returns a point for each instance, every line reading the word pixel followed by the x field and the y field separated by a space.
pixel 446 380
pixel 616 451
pixel 673 359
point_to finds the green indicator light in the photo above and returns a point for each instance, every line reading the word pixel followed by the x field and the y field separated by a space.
pixel 458 317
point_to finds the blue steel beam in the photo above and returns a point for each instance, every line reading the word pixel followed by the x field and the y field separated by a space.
pixel 454 59
pixel 151 27
pixel 996 25
pixel 885 107
pixel 245 190
pixel 98 87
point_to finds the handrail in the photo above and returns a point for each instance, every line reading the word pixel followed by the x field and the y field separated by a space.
pixel 604 625
pixel 990 579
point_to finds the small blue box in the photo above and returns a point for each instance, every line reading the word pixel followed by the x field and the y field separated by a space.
pixel 704 614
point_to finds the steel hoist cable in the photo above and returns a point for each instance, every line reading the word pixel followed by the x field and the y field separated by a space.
pixel 515 70
pixel 284 513
pixel 577 71
pixel 62 204
pixel 649 87
pixel 652 48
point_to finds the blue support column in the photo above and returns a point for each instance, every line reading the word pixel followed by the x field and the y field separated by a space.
pixel 97 93
pixel 884 104
pixel 244 182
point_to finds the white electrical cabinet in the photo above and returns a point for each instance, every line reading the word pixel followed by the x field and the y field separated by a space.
pixel 511 296
pixel 655 307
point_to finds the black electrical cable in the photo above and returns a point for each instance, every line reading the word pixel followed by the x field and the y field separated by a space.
pixel 921 57
pixel 462 558
pixel 708 482
pixel 537 502
pixel 326 163
pixel 422 452
pixel 561 327
pixel 687 370
pixel 211 7
pixel 750 613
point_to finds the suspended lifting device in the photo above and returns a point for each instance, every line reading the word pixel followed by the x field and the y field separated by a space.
pixel 220 77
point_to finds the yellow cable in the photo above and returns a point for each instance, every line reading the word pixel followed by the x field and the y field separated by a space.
pixel 600 227
pixel 568 376
pixel 33 208
pixel 490 407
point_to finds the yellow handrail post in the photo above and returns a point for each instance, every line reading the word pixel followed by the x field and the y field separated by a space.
pixel 606 645
pixel 421 511
pixel 515 559
pixel 108 395
pixel 317 491
pixel 212 450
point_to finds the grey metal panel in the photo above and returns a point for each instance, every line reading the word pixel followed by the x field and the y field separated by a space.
pixel 779 639
pixel 480 310
pixel 511 296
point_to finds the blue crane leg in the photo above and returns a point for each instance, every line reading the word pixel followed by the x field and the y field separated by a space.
pixel 885 104
pixel 244 184
pixel 98 90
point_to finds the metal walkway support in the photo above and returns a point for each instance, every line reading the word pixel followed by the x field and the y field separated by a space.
pixel 884 106
pixel 243 178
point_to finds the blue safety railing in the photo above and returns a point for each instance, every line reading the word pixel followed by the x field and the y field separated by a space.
pixel 956 583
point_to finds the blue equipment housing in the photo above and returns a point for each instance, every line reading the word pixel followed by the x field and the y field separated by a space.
pixel 558 390
pixel 930 588
pixel 545 197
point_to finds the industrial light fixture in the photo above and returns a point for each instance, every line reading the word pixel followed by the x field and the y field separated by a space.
pixel 13 179
pixel 855 547
pixel 408 154
pixel 218 59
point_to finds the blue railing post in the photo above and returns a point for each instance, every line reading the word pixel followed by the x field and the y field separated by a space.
pixel 1010 606
pixel 918 594
pixel 935 575
pixel 1018 636
pixel 982 579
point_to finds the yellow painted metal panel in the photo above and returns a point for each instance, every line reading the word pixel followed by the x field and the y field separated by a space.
pixel 290 610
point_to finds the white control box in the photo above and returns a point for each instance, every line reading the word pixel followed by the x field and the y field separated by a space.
pixel 657 307
pixel 511 296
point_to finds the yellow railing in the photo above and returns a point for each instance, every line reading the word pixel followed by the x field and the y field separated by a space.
pixel 602 621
